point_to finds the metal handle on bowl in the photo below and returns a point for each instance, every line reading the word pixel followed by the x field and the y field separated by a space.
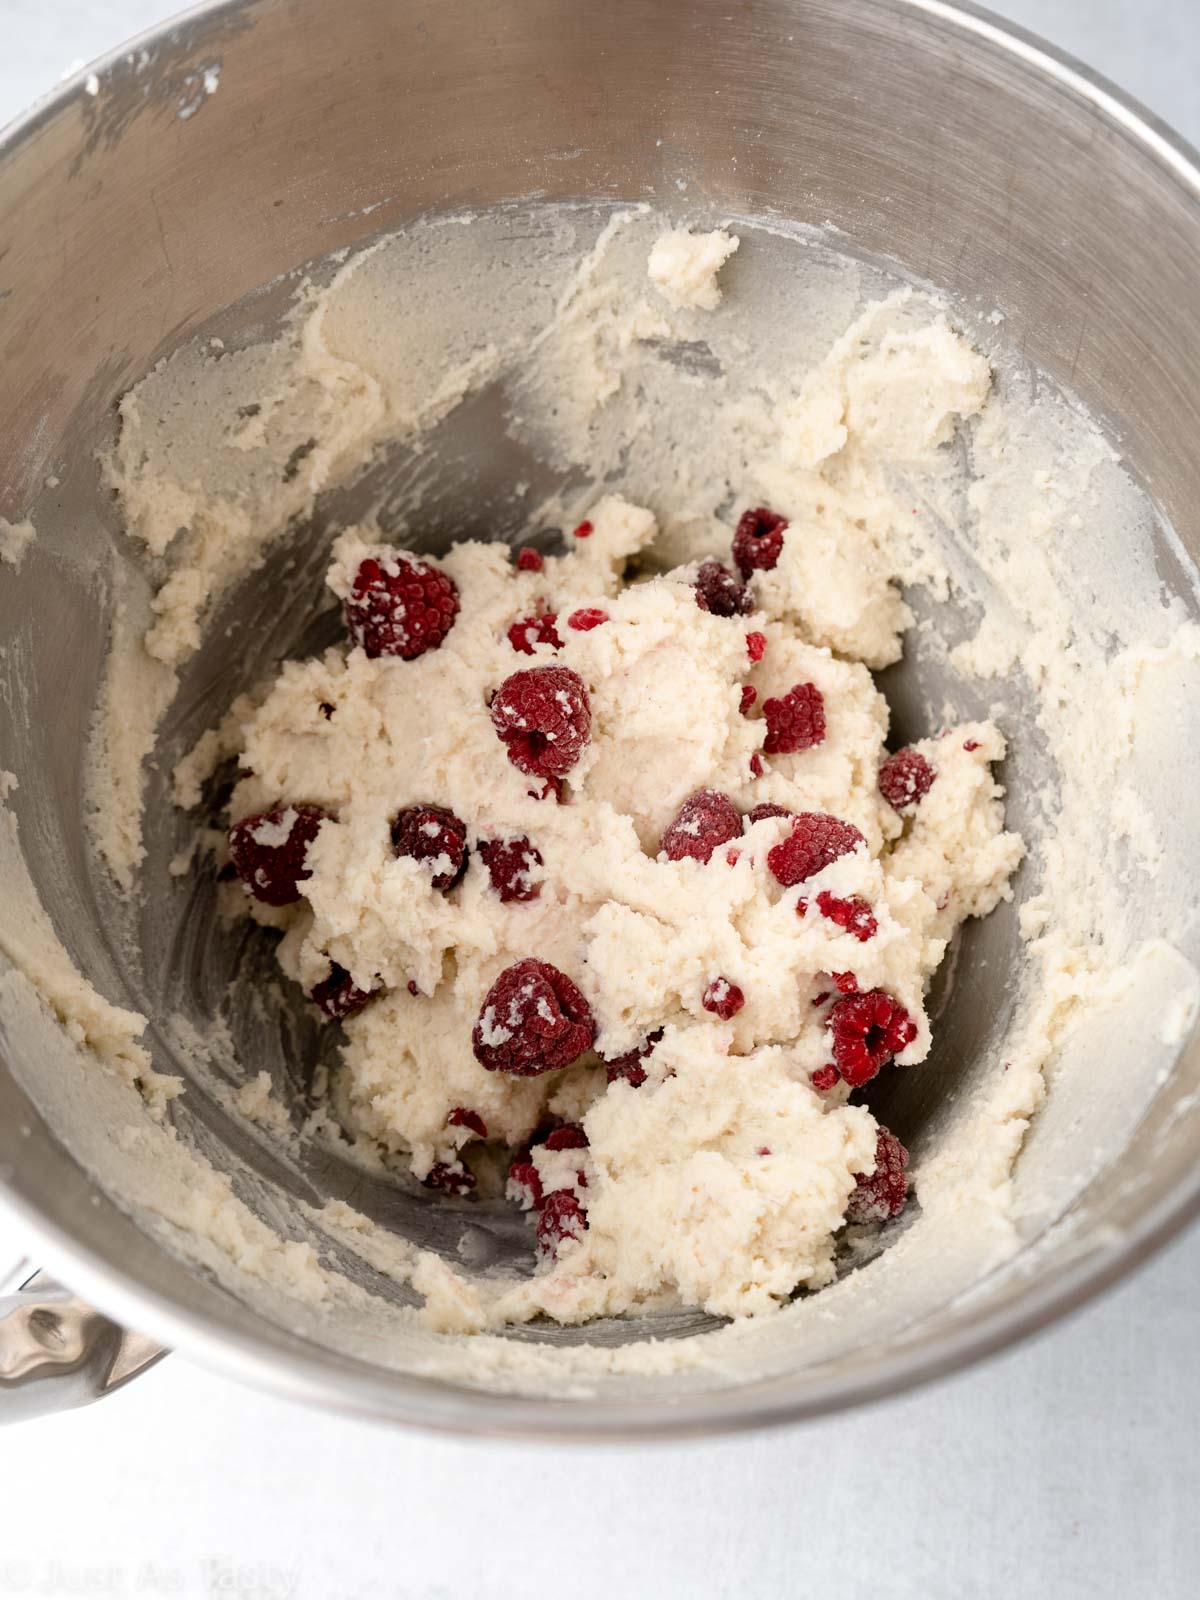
pixel 56 1351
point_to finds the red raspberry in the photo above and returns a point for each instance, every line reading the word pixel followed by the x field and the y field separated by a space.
pixel 867 1030
pixel 796 721
pixel 815 841
pixel 723 998
pixel 587 618
pixel 524 1185
pixel 400 606
pixel 569 1137
pixel 584 530
pixel 268 851
pixel 449 1177
pixel 431 833
pixel 629 1066
pixel 533 1020
pixel 413 990
pixel 824 1078
pixel 756 765
pixel 544 717
pixel 882 1195
pixel 510 864
pixel 531 631
pixel 749 696
pixel 905 778
pixel 460 1117
pixel 530 560
pixel 758 540
pixel 756 646
pixel 552 786
pixel 337 994
pixel 845 982
pixel 560 1217
pixel 970 744
pixel 760 813
pixel 718 591
pixel 705 820
pixel 854 914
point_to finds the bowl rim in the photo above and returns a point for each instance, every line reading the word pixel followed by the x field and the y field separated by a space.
pixel 445 1407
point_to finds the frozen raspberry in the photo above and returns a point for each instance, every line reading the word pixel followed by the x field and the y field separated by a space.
pixel 758 540
pixel 461 1117
pixel 705 820
pixel 970 744
pixel 756 765
pixel 268 851
pixel 723 998
pixel 749 696
pixel 553 788
pixel 400 606
pixel 796 721
pixel 845 982
pixel 433 834
pixel 413 990
pixel 718 591
pixel 587 618
pixel 560 1217
pixel 629 1067
pixel 756 645
pixel 762 812
pixel 449 1177
pixel 882 1195
pixel 544 717
pixel 510 864
pixel 583 531
pixel 905 778
pixel 337 994
pixel 533 1020
pixel 815 841
pixel 524 1185
pixel 824 1078
pixel 569 1137
pixel 867 1030
pixel 854 914
pixel 532 631
pixel 530 560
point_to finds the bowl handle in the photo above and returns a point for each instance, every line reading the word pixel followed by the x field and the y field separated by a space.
pixel 56 1352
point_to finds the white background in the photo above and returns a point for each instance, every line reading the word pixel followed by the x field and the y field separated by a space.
pixel 1064 1471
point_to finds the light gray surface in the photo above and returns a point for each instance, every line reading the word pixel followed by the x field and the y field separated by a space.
pixel 1064 1469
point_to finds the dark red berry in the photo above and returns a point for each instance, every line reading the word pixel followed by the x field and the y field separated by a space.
pixel 449 1177
pixel 718 591
pixel 532 631
pixel 400 606
pixel 569 1137
pixel 756 765
pixel 629 1066
pixel 749 696
pixel 795 721
pixel 544 717
pixel 583 531
pixel 705 820
pixel 433 834
pixel 551 789
pixel 867 1030
pixel 762 812
pixel 461 1117
pixel 524 1185
pixel 824 1078
pixel 560 1217
pixel 882 1195
pixel 854 915
pixel 723 998
pixel 758 540
pixel 845 982
pixel 413 990
pixel 815 841
pixel 587 618
pixel 530 560
pixel 337 994
pixel 905 778
pixel 756 645
pixel 970 744
pixel 533 1020
pixel 510 864
pixel 268 851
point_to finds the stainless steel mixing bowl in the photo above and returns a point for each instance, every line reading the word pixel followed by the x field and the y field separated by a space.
pixel 153 199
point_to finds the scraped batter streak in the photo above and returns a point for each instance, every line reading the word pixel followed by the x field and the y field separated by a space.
pixel 722 1180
